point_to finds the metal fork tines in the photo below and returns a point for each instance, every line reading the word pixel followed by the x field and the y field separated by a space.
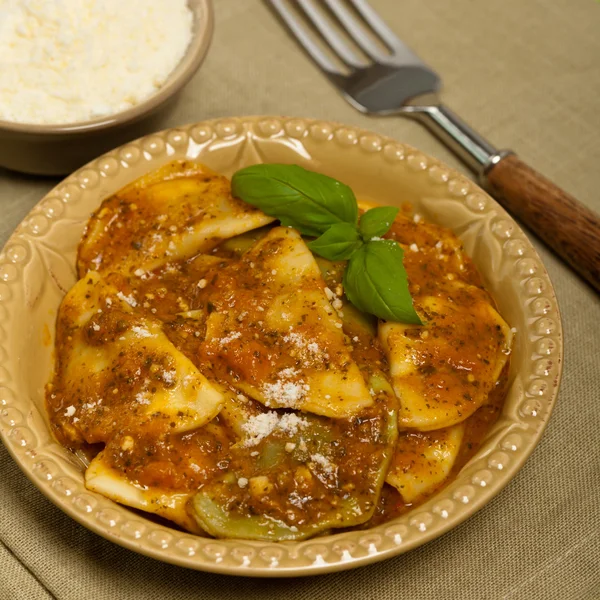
pixel 383 83
pixel 376 72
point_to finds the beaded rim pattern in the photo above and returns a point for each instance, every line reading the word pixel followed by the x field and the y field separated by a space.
pixel 36 268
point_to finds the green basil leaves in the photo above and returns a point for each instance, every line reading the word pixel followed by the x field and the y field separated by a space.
pixel 305 200
pixel 339 242
pixel 377 221
pixel 375 280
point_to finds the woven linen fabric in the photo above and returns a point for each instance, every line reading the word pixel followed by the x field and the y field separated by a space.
pixel 526 75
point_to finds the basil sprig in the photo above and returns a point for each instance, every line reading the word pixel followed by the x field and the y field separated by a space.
pixel 375 279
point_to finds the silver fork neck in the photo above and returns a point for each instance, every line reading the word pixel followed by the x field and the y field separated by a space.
pixel 474 150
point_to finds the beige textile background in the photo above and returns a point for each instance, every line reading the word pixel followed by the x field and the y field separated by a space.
pixel 526 74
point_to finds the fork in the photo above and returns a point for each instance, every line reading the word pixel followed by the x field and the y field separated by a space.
pixel 399 83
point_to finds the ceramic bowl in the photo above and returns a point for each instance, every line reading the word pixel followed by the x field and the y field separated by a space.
pixel 37 267
pixel 59 149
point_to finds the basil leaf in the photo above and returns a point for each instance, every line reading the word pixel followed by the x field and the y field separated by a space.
pixel 339 242
pixel 375 282
pixel 308 201
pixel 377 221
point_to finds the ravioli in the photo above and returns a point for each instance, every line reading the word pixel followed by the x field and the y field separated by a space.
pixel 159 473
pixel 108 481
pixel 300 479
pixel 178 211
pixel 170 290
pixel 117 368
pixel 222 380
pixel 423 460
pixel 272 333
pixel 443 371
pixel 292 474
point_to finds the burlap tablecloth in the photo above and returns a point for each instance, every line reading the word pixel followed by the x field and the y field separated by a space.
pixel 526 74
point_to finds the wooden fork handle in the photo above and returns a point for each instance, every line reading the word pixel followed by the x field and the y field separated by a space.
pixel 568 227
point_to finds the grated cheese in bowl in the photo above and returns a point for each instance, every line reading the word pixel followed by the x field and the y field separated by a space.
pixel 75 60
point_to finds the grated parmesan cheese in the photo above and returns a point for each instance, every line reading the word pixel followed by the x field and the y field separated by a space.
pixel 291 423
pixel 260 426
pixel 169 376
pixel 141 332
pixel 129 299
pixel 142 398
pixel 294 338
pixel 288 373
pixel 232 336
pixel 75 60
pixel 326 465
pixel 284 393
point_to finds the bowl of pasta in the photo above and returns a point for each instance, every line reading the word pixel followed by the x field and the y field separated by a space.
pixel 269 346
